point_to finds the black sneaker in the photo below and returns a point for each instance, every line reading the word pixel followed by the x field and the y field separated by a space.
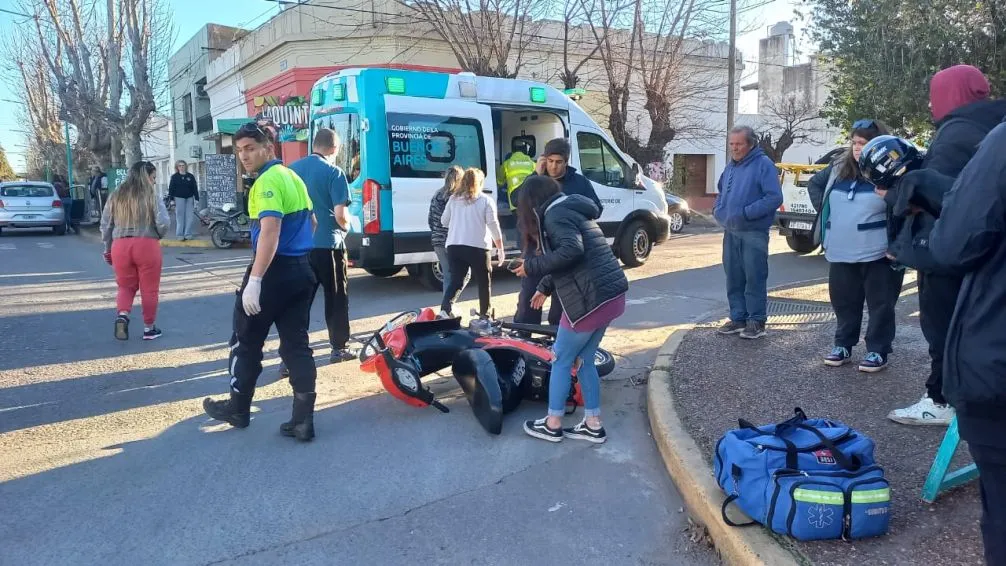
pixel 539 429
pixel 584 432
pixel 341 355
pixel 731 327
pixel 122 327
pixel 283 370
pixel 152 333
pixel 754 329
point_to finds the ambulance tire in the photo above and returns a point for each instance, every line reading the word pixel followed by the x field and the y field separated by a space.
pixel 801 243
pixel 384 272
pixel 635 244
pixel 428 276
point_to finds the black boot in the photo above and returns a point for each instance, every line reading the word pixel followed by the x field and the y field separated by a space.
pixel 301 425
pixel 235 411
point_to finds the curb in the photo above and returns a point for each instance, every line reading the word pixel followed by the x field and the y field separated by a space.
pixel 186 244
pixel 753 546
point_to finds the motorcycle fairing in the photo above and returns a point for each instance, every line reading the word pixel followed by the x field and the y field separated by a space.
pixel 475 371
pixel 402 380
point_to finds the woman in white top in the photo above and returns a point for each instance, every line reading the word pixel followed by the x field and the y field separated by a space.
pixel 472 228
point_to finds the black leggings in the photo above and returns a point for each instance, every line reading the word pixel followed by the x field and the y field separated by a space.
pixel 463 258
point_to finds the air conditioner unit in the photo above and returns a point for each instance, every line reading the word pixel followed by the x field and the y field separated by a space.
pixel 195 151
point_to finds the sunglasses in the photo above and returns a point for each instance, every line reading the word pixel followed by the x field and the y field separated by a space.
pixel 254 129
pixel 864 124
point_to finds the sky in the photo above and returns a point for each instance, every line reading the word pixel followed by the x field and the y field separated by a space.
pixel 191 15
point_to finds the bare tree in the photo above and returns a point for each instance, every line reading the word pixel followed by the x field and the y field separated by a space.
pixel 576 15
pixel 489 38
pixel 788 119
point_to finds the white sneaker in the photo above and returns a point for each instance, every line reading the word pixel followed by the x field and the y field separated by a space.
pixel 925 412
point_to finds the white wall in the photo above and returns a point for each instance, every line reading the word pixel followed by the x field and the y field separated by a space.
pixel 157 144
pixel 225 85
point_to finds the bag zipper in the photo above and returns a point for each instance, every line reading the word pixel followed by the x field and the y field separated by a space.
pixel 847 507
pixel 840 440
pixel 775 493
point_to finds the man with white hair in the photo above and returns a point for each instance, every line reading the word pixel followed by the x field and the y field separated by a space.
pixel 749 194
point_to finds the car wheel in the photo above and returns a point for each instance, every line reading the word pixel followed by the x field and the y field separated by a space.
pixel 677 222
pixel 59 230
pixel 218 237
pixel 384 272
pixel 430 276
pixel 636 244
pixel 800 243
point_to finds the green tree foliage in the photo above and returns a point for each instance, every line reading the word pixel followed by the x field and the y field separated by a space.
pixel 884 52
pixel 6 171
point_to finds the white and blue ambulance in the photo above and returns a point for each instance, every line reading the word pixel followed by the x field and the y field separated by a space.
pixel 401 130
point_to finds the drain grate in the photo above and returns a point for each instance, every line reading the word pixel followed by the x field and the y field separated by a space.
pixel 798 312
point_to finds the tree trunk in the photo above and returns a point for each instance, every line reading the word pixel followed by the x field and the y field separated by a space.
pixel 131 147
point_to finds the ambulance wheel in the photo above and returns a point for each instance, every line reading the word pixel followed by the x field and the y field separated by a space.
pixel 430 276
pixel 801 243
pixel 635 244
pixel 384 271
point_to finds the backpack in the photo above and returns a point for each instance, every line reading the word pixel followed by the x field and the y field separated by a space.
pixel 811 479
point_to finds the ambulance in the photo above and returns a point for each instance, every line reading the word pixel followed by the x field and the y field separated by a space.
pixel 797 216
pixel 400 130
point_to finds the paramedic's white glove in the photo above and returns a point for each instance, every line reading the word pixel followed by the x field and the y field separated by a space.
pixel 250 296
pixel 501 256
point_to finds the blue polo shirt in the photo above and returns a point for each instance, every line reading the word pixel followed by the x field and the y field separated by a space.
pixel 279 192
pixel 327 186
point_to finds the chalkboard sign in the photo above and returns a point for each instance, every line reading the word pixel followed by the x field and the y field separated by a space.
pixel 220 186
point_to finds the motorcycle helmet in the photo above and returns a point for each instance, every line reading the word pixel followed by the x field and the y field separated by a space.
pixel 886 158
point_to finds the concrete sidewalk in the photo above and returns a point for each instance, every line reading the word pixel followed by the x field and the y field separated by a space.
pixel 709 381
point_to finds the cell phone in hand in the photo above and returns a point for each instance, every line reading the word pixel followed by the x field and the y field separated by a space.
pixel 514 263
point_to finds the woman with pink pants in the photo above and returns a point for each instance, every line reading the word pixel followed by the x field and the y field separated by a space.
pixel 132 224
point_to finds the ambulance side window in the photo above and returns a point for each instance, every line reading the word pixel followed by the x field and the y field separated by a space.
pixel 599 162
pixel 424 146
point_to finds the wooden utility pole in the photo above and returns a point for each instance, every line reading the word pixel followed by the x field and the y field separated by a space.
pixel 731 69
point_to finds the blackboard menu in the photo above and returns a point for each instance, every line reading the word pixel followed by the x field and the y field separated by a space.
pixel 221 179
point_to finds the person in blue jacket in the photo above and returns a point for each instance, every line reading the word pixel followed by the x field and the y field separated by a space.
pixel 749 194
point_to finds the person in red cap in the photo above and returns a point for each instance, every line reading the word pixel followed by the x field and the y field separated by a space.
pixel 963 113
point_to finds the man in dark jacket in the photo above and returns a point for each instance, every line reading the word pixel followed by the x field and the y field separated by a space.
pixel 554 162
pixel 970 236
pixel 749 194
pixel 958 97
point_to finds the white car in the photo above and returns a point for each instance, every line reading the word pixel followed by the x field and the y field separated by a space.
pixel 31 204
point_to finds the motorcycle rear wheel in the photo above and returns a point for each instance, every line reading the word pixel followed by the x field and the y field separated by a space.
pixel 218 236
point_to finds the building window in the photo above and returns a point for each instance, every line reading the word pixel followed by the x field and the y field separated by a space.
pixel 424 146
pixel 187 112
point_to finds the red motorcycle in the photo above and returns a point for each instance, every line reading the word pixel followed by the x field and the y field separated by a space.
pixel 498 364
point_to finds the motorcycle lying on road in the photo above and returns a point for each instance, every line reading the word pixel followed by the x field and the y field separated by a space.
pixel 498 364
pixel 228 225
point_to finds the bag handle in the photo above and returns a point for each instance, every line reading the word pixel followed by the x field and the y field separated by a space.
pixel 791 451
pixel 723 510
pixel 844 461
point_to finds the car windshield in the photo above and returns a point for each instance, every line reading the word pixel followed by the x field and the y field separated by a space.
pixel 23 191
pixel 347 127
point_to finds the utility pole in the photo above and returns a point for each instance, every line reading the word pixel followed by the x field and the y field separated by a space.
pixel 731 70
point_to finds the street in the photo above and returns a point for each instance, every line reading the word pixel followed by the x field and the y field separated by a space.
pixel 109 459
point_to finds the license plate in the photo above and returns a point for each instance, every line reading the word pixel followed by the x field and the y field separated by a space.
pixel 801 226
pixel 28 216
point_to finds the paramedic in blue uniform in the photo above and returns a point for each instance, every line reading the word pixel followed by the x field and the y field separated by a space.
pixel 553 163
pixel 278 287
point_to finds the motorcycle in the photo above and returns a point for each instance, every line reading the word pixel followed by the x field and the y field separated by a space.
pixel 497 364
pixel 228 225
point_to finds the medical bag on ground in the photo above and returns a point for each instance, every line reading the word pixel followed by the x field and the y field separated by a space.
pixel 811 479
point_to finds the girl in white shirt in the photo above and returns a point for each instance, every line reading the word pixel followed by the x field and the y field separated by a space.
pixel 472 229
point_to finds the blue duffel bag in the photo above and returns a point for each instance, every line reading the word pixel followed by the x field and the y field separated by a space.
pixel 811 479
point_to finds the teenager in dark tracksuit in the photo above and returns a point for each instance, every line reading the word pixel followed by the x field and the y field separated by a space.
pixel 438 232
pixel 553 163
pixel 963 115
pixel 853 231
pixel 970 235
pixel 278 287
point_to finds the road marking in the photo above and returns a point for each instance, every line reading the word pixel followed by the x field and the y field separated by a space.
pixel 8 247
pixel 46 245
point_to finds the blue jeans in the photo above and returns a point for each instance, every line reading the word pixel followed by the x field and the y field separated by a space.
pixel 67 211
pixel 569 345
pixel 745 260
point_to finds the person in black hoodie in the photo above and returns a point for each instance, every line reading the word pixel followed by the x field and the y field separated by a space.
pixel 963 113
pixel 554 164
pixel 184 191
pixel 575 265
pixel 970 236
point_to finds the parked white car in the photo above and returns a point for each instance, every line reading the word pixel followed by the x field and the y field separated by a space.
pixel 31 204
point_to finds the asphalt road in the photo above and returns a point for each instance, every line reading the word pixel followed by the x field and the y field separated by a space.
pixel 108 458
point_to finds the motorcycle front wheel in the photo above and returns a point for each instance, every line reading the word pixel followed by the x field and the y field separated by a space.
pixel 218 235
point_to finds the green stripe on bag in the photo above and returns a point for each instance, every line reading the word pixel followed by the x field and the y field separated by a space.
pixel 872 496
pixel 816 496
